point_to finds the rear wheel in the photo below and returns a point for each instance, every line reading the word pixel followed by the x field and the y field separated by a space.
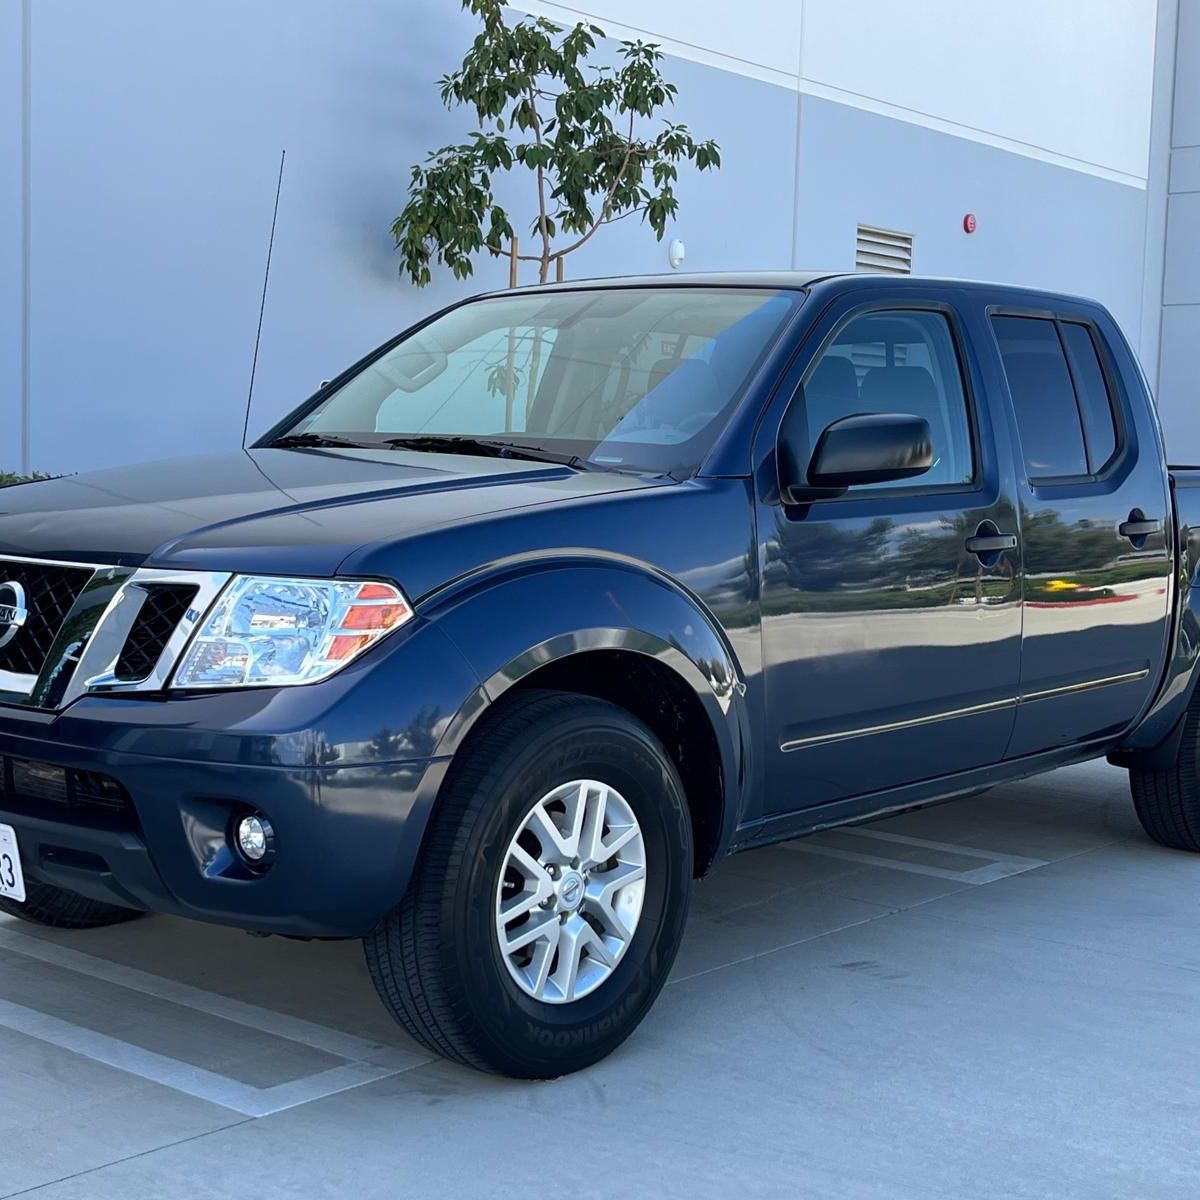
pixel 54 906
pixel 551 894
pixel 1167 800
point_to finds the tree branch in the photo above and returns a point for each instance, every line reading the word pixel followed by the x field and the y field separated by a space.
pixel 537 258
pixel 612 191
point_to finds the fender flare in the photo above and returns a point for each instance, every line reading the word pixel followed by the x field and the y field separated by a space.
pixel 518 617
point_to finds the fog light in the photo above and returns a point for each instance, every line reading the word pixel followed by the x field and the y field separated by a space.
pixel 255 838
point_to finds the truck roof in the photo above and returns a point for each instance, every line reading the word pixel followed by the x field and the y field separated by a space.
pixel 796 280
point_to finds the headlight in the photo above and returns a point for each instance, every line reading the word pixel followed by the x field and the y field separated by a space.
pixel 265 632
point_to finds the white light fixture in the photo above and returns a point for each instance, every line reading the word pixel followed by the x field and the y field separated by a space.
pixel 676 252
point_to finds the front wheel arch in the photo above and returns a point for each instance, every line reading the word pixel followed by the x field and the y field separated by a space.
pixel 704 734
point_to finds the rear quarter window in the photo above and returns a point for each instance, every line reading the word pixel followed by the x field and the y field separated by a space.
pixel 1095 403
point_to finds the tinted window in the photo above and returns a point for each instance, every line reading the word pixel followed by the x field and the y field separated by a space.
pixel 896 362
pixel 1043 397
pixel 1095 406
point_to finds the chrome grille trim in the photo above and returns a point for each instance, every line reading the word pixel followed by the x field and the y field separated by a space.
pixel 97 667
pixel 85 652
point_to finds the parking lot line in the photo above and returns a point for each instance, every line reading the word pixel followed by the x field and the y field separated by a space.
pixel 998 866
pixel 183 1077
pixel 264 1020
pixel 365 1061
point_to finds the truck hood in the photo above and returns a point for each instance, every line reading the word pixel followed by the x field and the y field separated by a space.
pixel 272 511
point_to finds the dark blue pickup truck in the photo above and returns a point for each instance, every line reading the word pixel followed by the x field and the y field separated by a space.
pixel 538 612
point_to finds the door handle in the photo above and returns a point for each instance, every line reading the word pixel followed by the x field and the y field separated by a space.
pixel 1139 526
pixel 989 540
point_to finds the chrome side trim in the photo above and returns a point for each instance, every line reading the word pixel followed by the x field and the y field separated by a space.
pixel 1086 686
pixel 911 723
pixel 973 710
pixel 53 562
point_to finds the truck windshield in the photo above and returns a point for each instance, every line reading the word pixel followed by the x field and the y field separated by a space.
pixel 636 378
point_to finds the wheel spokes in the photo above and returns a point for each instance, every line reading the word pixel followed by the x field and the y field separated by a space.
pixel 569 921
pixel 604 891
pixel 530 932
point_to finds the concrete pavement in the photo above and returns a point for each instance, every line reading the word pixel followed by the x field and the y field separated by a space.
pixel 994 998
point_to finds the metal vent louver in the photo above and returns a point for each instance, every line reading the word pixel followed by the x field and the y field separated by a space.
pixel 883 250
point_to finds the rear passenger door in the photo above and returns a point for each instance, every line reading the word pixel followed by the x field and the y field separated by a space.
pixel 1096 526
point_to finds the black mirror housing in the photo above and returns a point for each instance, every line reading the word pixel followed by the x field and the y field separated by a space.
pixel 865 448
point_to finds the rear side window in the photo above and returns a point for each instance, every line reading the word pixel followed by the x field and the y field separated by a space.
pixel 1063 409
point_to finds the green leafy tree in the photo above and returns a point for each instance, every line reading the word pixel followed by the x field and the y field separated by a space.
pixel 587 134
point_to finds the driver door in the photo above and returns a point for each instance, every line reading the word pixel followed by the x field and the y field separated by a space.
pixel 891 650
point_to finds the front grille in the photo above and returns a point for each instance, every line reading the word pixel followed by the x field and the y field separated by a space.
pixel 50 594
pixel 156 621
pixel 41 789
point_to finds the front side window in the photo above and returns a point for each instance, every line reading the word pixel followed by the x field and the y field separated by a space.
pixel 896 361
pixel 639 378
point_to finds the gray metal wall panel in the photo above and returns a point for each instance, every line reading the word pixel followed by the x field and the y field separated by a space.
pixel 1178 376
pixel 1038 224
pixel 11 277
pixel 1179 354
pixel 1183 250
pixel 1187 76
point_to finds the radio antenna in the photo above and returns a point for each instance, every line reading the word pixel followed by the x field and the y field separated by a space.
pixel 262 308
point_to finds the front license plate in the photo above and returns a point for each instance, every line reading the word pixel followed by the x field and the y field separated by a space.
pixel 12 881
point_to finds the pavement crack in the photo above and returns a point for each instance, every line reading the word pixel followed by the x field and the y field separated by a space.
pixel 116 1162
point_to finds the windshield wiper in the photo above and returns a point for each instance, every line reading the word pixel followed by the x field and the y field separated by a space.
pixel 453 443
pixel 305 441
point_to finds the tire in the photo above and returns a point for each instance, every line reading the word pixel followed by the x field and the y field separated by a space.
pixel 1167 801
pixel 60 909
pixel 437 962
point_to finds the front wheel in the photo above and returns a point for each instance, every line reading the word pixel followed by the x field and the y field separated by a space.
pixel 550 897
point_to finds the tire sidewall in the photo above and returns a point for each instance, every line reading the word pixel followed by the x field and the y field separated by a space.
pixel 525 1036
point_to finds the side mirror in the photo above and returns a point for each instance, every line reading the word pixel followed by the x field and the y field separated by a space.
pixel 866 448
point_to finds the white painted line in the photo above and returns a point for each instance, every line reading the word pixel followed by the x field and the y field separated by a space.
pixel 1017 860
pixel 183 1077
pixel 998 866
pixel 366 1061
pixel 292 1029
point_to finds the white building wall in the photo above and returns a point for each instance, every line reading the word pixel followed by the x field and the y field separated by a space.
pixel 1056 78
pixel 12 279
pixel 156 132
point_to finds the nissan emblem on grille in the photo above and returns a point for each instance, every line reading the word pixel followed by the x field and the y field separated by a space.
pixel 13 613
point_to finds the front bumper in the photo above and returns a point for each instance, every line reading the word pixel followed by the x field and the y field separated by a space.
pixel 346 835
